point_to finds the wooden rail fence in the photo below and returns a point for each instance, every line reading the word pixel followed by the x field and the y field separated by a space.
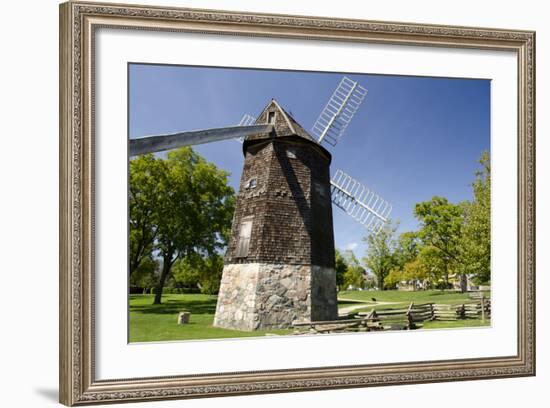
pixel 407 318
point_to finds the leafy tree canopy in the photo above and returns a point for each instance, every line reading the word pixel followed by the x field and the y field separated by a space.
pixel 380 258
pixel 186 204
pixel 441 229
pixel 476 244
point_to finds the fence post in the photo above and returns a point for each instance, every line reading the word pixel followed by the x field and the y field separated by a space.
pixel 461 311
pixel 482 307
pixel 366 319
pixel 409 316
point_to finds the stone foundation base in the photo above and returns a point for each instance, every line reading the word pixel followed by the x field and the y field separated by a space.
pixel 267 296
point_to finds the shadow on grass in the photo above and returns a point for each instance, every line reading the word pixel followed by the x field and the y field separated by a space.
pixel 350 303
pixel 174 306
pixel 445 293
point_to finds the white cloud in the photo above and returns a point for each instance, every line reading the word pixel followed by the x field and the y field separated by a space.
pixel 352 245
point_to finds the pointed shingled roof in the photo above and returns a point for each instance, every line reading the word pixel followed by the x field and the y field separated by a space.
pixel 284 127
pixel 296 127
pixel 285 124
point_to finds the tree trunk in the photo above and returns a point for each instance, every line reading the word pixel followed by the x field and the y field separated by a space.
pixel 166 266
pixel 134 263
pixel 463 282
pixel 136 259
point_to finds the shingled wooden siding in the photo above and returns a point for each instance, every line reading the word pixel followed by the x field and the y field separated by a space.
pixel 290 205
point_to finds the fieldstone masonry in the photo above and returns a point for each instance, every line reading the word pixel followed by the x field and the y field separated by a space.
pixel 279 265
pixel 265 296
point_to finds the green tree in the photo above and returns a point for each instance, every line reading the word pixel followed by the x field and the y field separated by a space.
pixel 145 274
pixel 188 205
pixel 370 281
pixel 434 265
pixel 143 195
pixel 355 273
pixel 407 248
pixel 380 256
pixel 186 271
pixel 476 243
pixel 194 211
pixel 204 273
pixel 393 278
pixel 341 267
pixel 415 271
pixel 441 228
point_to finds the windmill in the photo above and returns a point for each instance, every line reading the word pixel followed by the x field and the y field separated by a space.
pixel 279 264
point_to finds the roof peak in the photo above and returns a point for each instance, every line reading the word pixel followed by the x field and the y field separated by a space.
pixel 284 126
pixel 294 128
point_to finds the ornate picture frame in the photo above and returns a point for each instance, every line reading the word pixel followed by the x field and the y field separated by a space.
pixel 79 22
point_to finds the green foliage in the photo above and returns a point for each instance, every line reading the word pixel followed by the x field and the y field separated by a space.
pixel 188 205
pixel 441 229
pixel 145 172
pixel 202 272
pixel 415 270
pixel 349 271
pixel 476 245
pixel 355 274
pixel 144 275
pixel 370 281
pixel 434 265
pixel 341 267
pixel 195 205
pixel 381 259
pixel 393 278
pixel 186 271
pixel 407 248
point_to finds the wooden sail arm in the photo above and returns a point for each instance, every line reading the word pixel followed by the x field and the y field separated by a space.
pixel 159 143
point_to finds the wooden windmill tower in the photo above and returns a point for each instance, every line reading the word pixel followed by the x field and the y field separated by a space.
pixel 279 265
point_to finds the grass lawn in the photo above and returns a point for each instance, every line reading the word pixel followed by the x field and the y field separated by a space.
pixel 150 322
pixel 347 303
pixel 455 324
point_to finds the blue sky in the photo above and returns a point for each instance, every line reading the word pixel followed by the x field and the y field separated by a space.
pixel 412 138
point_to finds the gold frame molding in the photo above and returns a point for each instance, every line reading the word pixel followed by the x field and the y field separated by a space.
pixel 78 22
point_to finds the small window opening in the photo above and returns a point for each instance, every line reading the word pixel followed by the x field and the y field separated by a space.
pixel 291 153
pixel 320 189
pixel 271 117
pixel 251 183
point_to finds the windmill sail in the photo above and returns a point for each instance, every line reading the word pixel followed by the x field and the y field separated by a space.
pixel 340 109
pixel 160 143
pixel 365 206
pixel 246 120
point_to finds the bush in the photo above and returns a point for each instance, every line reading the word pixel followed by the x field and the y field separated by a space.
pixel 136 290
pixel 442 286
pixel 178 291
